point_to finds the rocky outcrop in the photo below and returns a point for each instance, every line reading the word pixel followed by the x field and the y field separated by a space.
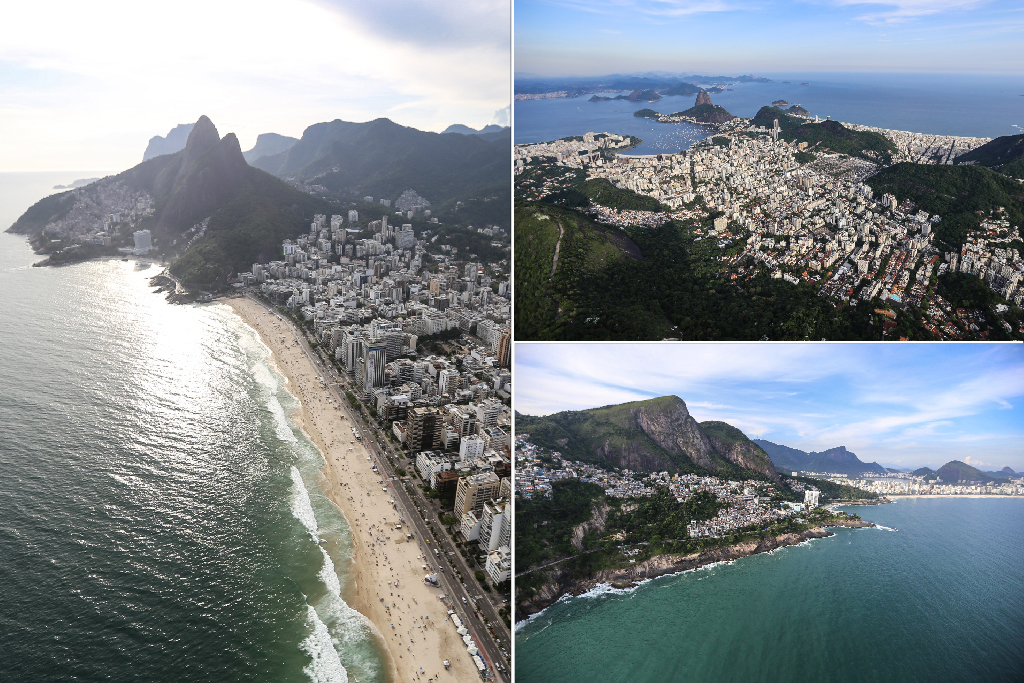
pixel 598 516
pixel 173 142
pixel 748 455
pixel 702 98
pixel 557 583
pixel 675 431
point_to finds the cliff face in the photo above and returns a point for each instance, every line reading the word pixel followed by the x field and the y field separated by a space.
pixel 702 98
pixel 672 428
pixel 655 435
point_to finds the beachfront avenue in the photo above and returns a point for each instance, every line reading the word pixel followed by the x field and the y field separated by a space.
pixel 477 609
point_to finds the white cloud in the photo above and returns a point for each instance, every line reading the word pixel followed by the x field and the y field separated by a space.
pixel 96 80
pixel 898 11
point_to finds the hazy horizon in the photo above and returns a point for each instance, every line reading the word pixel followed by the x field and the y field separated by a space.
pixel 87 86
pixel 721 36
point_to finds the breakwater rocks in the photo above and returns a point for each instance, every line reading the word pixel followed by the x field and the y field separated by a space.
pixel 558 584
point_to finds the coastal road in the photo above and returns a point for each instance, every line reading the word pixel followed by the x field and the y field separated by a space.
pixel 461 600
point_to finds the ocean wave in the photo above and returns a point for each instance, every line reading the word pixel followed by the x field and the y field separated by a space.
pixel 301 506
pixel 326 666
pixel 883 528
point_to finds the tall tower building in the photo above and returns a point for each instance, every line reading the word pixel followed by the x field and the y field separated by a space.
pixel 374 360
pixel 475 490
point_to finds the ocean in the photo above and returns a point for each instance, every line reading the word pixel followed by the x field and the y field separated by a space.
pixel 935 593
pixel 161 519
pixel 940 104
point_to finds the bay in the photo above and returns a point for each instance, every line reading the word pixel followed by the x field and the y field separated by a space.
pixel 936 592
pixel 940 104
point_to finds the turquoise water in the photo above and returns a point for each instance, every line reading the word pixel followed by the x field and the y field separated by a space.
pixel 940 104
pixel 161 519
pixel 937 595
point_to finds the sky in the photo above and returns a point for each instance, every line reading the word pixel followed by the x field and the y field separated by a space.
pixel 599 37
pixel 901 405
pixel 84 85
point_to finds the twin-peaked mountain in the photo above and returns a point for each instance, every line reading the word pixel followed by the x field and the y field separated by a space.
pixel 250 211
pixel 655 435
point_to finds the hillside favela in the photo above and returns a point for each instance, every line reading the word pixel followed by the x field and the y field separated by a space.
pixel 662 517
pixel 784 224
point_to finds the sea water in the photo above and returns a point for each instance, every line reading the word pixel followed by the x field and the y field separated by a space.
pixel 939 104
pixel 935 593
pixel 160 517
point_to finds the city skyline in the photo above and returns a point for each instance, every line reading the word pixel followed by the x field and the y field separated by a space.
pixel 87 86
pixel 903 406
pixel 700 36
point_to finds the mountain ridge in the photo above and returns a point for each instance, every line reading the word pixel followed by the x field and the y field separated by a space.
pixel 650 435
pixel 837 460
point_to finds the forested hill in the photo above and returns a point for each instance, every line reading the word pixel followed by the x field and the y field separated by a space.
pixel 655 435
pixel 382 158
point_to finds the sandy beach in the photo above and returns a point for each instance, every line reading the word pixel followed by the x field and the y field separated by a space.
pixel 387 571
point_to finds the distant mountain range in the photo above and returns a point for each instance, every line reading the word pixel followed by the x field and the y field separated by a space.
pixel 267 144
pixel 382 158
pixel 250 211
pixel 666 84
pixel 650 436
pixel 835 460
pixel 487 130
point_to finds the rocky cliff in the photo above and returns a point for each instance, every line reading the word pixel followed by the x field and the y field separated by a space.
pixel 558 584
pixel 655 435
pixel 702 98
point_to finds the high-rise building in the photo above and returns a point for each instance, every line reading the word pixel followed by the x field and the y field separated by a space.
pixel 490 524
pixel 426 428
pixel 475 490
pixel 143 241
pixel 505 348
pixel 353 216
pixel 374 360
pixel 487 412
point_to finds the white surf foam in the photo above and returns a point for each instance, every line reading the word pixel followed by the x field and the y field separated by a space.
pixel 301 506
pixel 326 666
pixel 884 528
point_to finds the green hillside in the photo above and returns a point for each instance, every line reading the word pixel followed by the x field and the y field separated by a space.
pixel 675 291
pixel 954 471
pixel 707 113
pixel 835 136
pixel 1004 154
pixel 956 193
pixel 765 118
pixel 615 436
pixel 382 159
pixel 544 298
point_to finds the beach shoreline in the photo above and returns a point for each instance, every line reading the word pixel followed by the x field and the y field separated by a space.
pixel 385 576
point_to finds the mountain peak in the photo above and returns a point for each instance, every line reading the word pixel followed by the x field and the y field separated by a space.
pixel 203 136
pixel 702 98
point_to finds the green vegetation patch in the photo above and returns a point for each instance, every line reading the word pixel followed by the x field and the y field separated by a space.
pixel 838 138
pixel 956 193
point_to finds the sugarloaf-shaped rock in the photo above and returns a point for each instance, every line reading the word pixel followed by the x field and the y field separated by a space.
pixel 655 435
pixel 702 98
